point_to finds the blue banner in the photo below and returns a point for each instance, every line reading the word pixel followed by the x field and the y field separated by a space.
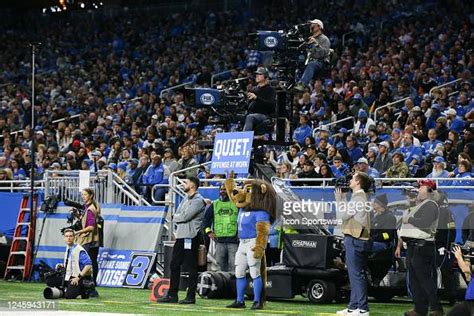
pixel 113 267
pixel 232 152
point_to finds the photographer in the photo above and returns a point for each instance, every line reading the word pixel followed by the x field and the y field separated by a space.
pixel 418 231
pixel 356 230
pixel 465 308
pixel 262 101
pixel 78 268
pixel 318 52
pixel 88 234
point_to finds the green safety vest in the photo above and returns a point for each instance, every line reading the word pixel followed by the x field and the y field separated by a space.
pixel 225 218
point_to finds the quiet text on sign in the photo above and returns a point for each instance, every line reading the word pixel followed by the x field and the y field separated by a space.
pixel 232 147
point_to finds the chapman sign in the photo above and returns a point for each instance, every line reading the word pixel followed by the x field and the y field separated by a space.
pixel 232 152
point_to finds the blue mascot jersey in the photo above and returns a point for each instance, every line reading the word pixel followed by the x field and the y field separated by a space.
pixel 247 221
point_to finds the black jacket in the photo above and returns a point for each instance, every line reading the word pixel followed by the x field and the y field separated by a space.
pixel 383 227
pixel 265 101
pixel 446 232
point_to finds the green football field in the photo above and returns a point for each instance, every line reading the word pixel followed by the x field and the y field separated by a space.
pixel 135 301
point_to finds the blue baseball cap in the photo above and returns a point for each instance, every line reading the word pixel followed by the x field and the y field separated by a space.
pixel 362 113
pixel 122 165
pixel 439 159
pixel 435 106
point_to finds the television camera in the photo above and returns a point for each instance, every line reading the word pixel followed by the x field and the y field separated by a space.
pixel 343 183
pixel 74 216
pixel 288 47
pixel 228 103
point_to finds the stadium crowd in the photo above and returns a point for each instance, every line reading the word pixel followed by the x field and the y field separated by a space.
pixel 99 81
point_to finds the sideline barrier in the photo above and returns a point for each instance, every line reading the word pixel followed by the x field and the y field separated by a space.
pixel 126 229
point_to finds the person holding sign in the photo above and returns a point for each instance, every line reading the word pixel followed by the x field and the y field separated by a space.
pixel 262 101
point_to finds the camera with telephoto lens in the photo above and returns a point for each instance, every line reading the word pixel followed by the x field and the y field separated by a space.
pixel 60 271
pixel 74 214
pixel 465 250
pixel 74 219
pixel 410 192
pixel 343 183
pixel 54 292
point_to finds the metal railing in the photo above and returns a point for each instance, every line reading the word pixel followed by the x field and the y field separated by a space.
pixel 443 85
pixel 344 37
pixel 125 194
pixel 65 118
pixel 66 185
pixel 387 105
pixel 218 75
pixel 20 185
pixel 393 183
pixel 175 87
pixel 317 129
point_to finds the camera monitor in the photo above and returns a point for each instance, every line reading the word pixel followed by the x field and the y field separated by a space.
pixel 270 41
pixel 203 97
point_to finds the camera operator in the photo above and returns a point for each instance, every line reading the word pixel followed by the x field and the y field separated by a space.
pixel 88 235
pixel 318 54
pixel 78 267
pixel 356 230
pixel 418 231
pixel 262 101
pixel 465 308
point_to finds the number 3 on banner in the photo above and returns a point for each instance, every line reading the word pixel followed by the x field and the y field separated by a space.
pixel 139 269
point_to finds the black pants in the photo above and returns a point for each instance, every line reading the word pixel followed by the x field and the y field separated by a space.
pixel 93 252
pixel 188 257
pixel 71 291
pixel 421 264
pixel 462 309
pixel 272 255
pixel 445 265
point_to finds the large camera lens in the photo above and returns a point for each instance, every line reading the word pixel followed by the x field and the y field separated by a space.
pixel 52 293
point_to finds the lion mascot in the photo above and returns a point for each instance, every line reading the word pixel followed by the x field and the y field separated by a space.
pixel 257 203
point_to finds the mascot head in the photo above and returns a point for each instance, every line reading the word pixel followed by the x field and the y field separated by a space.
pixel 254 195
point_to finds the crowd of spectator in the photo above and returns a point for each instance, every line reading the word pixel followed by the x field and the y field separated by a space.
pixel 100 76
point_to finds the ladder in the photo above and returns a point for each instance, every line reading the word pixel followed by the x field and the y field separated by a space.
pixel 20 258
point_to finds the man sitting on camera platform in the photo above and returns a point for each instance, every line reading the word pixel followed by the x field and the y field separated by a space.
pixel 262 101
pixel 77 276
pixel 319 54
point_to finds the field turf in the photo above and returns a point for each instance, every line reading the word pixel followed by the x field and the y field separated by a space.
pixel 133 301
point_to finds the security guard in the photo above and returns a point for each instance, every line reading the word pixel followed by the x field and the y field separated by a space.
pixel 418 231
pixel 220 224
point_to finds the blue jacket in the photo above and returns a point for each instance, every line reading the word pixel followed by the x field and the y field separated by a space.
pixel 444 174
pixel 342 171
pixel 429 147
pixel 355 153
pixel 409 152
pixel 154 175
pixel 457 125
pixel 374 173
pixel 463 182
pixel 301 132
